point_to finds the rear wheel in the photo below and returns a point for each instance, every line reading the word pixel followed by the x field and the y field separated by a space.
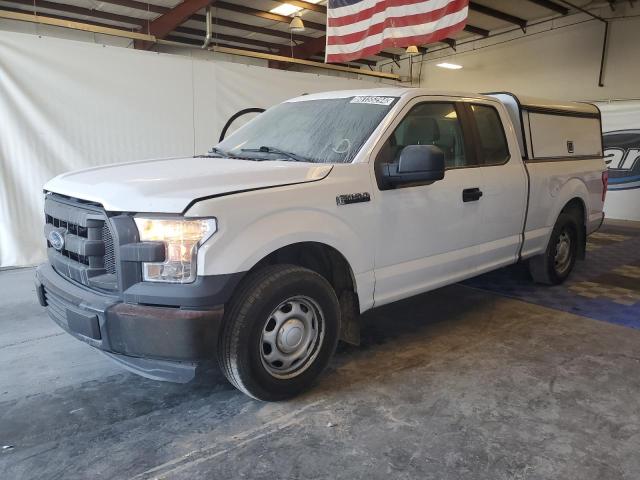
pixel 554 266
pixel 280 332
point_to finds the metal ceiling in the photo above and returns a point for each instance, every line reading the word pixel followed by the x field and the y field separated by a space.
pixel 249 24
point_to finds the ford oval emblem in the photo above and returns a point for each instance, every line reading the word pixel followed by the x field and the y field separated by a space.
pixel 56 239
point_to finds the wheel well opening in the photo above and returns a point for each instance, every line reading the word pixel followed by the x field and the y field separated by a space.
pixel 331 264
pixel 320 258
pixel 575 207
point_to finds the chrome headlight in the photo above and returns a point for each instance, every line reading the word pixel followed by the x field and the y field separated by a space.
pixel 181 238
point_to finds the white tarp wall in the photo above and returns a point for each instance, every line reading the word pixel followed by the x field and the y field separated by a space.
pixel 66 105
pixel 621 138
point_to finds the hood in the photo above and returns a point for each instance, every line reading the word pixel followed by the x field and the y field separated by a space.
pixel 170 185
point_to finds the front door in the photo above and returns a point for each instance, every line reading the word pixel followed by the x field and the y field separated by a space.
pixel 427 234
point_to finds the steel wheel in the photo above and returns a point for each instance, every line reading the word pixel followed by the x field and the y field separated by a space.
pixel 562 258
pixel 291 337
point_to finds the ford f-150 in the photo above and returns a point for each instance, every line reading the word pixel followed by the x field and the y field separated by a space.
pixel 264 251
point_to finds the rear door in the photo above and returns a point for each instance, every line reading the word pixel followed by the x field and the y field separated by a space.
pixel 503 185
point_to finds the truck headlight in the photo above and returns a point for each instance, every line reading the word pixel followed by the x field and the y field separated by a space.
pixel 182 239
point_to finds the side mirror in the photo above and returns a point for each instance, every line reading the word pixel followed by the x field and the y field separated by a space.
pixel 417 164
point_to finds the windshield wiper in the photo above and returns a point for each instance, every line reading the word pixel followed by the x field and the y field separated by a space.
pixel 277 151
pixel 215 151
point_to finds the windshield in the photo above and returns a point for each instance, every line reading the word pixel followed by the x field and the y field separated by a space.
pixel 328 130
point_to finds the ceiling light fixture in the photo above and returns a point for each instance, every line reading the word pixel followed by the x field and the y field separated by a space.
pixel 296 25
pixel 450 66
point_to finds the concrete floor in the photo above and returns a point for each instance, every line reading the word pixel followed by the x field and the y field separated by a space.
pixel 454 384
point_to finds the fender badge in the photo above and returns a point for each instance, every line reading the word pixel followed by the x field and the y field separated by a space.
pixel 56 239
pixel 353 198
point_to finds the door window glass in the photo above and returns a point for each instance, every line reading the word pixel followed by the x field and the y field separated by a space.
pixel 428 124
pixel 492 148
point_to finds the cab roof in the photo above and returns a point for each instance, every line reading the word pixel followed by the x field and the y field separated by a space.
pixel 526 102
pixel 385 92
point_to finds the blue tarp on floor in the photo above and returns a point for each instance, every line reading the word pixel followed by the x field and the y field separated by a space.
pixel 606 286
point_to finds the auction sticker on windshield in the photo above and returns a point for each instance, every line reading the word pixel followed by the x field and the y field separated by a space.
pixel 373 100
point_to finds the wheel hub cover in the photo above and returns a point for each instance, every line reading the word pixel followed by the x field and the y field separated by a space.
pixel 290 335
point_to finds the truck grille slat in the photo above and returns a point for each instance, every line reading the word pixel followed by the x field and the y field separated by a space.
pixel 55 307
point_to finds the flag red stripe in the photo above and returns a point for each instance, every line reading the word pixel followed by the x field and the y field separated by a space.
pixel 396 42
pixel 405 21
pixel 367 13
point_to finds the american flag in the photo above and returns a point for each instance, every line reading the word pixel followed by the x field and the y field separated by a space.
pixel 360 28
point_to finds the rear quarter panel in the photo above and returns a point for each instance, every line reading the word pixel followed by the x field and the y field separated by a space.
pixel 553 184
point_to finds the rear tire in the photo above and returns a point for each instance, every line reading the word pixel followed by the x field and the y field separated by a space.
pixel 554 266
pixel 280 331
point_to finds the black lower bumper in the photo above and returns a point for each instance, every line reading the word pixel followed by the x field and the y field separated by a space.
pixel 165 341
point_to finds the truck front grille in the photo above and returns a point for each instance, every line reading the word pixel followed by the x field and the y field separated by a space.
pixel 88 251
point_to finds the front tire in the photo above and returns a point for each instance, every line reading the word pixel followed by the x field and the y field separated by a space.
pixel 280 332
pixel 554 266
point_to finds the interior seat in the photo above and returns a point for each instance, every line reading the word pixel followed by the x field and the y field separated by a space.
pixel 421 131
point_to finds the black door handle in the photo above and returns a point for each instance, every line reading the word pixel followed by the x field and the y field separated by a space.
pixel 471 194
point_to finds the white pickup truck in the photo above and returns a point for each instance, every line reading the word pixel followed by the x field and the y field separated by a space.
pixel 265 251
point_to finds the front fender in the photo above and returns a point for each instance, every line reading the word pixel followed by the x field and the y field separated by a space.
pixel 279 229
pixel 253 224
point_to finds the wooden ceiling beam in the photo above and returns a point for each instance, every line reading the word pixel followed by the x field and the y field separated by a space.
pixel 549 5
pixel 61 7
pixel 97 23
pixel 483 32
pixel 500 15
pixel 135 4
pixel 168 21
pixel 390 56
pixel 450 41
pixel 146 7
pixel 308 6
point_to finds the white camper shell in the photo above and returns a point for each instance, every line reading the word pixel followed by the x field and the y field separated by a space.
pixel 549 130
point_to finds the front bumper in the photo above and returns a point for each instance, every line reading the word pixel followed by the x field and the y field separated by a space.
pixel 164 343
